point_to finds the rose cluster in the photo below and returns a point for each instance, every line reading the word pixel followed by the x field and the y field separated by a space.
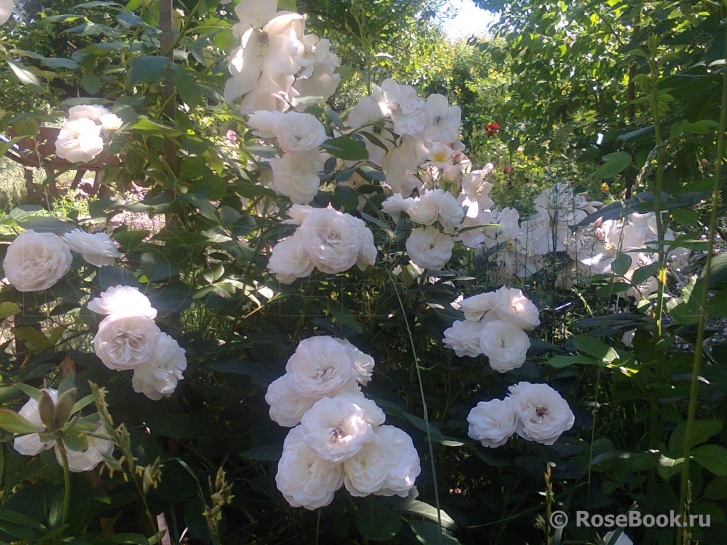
pixel 128 339
pixel 80 138
pixel 36 261
pixel 325 239
pixel 494 325
pixel 536 412
pixel 277 65
pixel 339 438
pixel 78 460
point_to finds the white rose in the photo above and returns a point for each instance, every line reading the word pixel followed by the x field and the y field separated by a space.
pixel 477 306
pixel 517 309
pixel 542 413
pixel 404 466
pixel 36 261
pixel 404 106
pixel 335 428
pixel 464 338
pixel 31 444
pixel 289 260
pixel 396 204
pixel 362 363
pixel 158 376
pixel 373 415
pixel 477 189
pixel 296 176
pixel 111 122
pixel 123 301
pixel 434 205
pixel 6 10
pixel 492 422
pixel 303 477
pixel 87 459
pixel 125 342
pixel 297 133
pixel 366 471
pixel 79 140
pixel 87 111
pixel 428 248
pixel 286 405
pixel 335 241
pixel 320 366
pixel 504 344
pixel 96 248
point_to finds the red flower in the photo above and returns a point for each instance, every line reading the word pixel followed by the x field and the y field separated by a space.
pixel 492 129
pixel 506 170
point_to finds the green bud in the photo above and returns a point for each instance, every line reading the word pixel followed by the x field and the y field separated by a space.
pixel 47 410
pixel 64 407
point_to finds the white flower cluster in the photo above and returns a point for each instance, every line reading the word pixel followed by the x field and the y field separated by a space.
pixel 339 438
pixel 536 412
pixel 128 338
pixel 325 239
pixel 494 325
pixel 299 135
pixel 78 461
pixel 277 65
pixel 36 261
pixel 80 137
pixel 596 248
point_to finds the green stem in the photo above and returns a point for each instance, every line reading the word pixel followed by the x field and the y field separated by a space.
pixel 698 351
pixel 66 481
pixel 425 412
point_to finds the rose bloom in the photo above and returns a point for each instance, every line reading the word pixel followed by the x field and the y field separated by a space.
pixel 436 205
pixel 336 241
pixel 6 10
pixel 123 301
pixel 296 176
pixel 36 261
pixel 320 366
pixel 367 471
pixel 289 261
pixel 79 141
pixel 504 344
pixel 286 405
pixel 96 248
pixel 158 376
pixel 492 422
pixel 517 309
pixel 428 248
pixel 87 111
pixel 464 338
pixel 477 306
pixel 297 133
pixel 125 342
pixel 31 444
pixel 363 364
pixel 303 477
pixel 404 466
pixel 335 428
pixel 542 413
pixel 87 459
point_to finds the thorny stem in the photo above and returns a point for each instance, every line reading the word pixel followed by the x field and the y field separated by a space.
pixel 698 350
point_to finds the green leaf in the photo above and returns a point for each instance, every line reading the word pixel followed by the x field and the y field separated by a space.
pixel 346 148
pixel 146 70
pixel 12 422
pixel 429 533
pixel 188 90
pixel 701 431
pixel 25 76
pixel 425 510
pixel 559 362
pixel 614 164
pixel 8 308
pixel 376 522
pixel 265 453
pixel 685 216
pixel 595 347
pixel 687 309
pixel 91 83
pixel 716 489
pixel 643 273
pixel 347 197
pixel 712 458
pixel 621 264
pixel 719 270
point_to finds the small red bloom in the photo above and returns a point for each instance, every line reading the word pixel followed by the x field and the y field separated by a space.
pixel 506 170
pixel 492 129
